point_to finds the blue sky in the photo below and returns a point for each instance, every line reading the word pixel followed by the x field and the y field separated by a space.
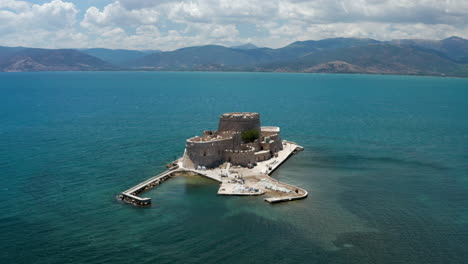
pixel 171 24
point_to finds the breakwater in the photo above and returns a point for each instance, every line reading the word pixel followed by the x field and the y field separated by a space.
pixel 131 195
pixel 230 179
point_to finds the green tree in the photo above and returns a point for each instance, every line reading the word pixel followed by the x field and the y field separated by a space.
pixel 250 135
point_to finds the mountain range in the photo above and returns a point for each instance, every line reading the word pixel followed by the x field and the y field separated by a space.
pixel 447 57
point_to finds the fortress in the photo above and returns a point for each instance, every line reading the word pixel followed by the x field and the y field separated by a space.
pixel 239 140
pixel 240 155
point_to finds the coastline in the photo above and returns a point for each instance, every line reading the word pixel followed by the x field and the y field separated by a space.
pixel 239 71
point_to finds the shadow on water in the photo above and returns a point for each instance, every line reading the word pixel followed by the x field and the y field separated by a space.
pixel 367 162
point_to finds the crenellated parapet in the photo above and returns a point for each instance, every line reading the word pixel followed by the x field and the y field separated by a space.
pixel 240 155
pixel 214 148
pixel 239 122
pixel 208 153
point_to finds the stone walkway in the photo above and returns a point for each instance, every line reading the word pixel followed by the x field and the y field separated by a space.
pixel 256 181
pixel 233 180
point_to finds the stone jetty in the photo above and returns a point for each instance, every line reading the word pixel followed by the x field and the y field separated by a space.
pixel 240 155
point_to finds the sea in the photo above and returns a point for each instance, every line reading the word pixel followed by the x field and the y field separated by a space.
pixel 385 164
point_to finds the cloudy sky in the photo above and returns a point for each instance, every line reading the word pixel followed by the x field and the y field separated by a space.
pixel 171 24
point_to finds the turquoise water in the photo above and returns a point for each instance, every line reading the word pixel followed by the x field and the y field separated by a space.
pixel 385 163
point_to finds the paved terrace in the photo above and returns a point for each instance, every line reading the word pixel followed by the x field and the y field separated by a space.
pixel 256 181
pixel 233 180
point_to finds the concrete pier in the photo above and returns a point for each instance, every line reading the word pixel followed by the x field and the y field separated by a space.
pixel 234 180
pixel 131 195
pixel 240 155
pixel 241 181
pixel 296 193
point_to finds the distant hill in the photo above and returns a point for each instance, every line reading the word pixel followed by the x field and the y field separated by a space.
pixel 345 55
pixel 302 48
pixel 454 47
pixel 447 57
pixel 200 57
pixel 31 59
pixel 246 46
pixel 215 57
pixel 375 58
pixel 118 57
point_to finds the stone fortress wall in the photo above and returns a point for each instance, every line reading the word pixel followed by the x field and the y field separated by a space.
pixel 208 153
pixel 239 122
pixel 214 148
pixel 275 143
pixel 240 157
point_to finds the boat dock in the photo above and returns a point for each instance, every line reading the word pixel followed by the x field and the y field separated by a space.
pixel 240 155
pixel 131 195
pixel 233 180
pixel 297 194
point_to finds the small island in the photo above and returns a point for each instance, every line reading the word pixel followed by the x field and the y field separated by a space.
pixel 240 155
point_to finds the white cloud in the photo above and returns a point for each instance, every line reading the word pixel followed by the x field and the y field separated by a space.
pixel 396 11
pixel 148 30
pixel 221 10
pixel 14 5
pixel 170 24
pixel 116 15
pixel 20 15
pixel 214 31
pixel 24 23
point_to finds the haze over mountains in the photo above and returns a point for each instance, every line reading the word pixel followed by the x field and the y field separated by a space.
pixel 447 57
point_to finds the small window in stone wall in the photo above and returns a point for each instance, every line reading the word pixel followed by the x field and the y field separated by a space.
pixel 204 154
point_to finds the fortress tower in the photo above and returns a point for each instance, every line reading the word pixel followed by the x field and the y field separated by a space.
pixel 227 144
pixel 239 122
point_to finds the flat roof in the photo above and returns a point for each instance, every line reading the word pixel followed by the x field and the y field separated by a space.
pixel 270 129
pixel 240 114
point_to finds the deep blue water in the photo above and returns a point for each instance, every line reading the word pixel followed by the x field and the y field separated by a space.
pixel 385 163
